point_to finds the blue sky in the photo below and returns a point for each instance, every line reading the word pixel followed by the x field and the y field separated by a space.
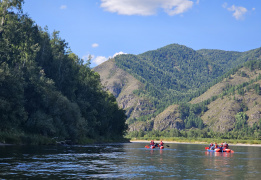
pixel 104 28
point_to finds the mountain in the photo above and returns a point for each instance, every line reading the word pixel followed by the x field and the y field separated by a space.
pixel 243 97
pixel 152 87
pixel 123 86
pixel 171 72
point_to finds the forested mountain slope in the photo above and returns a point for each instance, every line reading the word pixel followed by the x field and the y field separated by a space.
pixel 176 74
pixel 229 59
pixel 123 86
pixel 239 93
pixel 171 73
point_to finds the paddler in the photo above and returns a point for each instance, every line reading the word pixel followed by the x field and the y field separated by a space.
pixel 225 145
pixel 152 143
pixel 216 145
pixel 161 143
pixel 210 145
pixel 221 147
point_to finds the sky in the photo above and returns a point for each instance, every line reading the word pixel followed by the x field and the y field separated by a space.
pixel 105 28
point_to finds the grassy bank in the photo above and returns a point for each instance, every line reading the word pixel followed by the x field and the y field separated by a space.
pixel 198 140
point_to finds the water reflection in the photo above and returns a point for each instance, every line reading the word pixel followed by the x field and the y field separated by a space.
pixel 219 164
pixel 223 154
pixel 128 161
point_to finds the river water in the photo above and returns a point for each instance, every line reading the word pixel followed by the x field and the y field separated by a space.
pixel 128 161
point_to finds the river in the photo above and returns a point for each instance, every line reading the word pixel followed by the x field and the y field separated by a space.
pixel 128 161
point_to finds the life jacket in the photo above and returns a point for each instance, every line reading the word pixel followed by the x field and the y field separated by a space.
pixel 161 143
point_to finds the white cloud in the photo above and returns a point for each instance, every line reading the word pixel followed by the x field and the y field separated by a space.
pixel 253 9
pixel 63 7
pixel 238 11
pixel 119 53
pixel 94 45
pixel 146 7
pixel 99 59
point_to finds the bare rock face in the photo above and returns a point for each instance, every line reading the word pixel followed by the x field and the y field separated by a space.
pixel 144 126
pixel 221 114
pixel 253 102
pixel 168 119
pixel 122 85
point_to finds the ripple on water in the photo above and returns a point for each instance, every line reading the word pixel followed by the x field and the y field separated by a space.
pixel 131 161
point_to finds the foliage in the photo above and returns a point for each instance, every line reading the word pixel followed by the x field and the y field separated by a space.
pixel 171 73
pixel 248 133
pixel 190 114
pixel 46 90
pixel 175 74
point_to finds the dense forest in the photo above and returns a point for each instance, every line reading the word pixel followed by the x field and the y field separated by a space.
pixel 177 73
pixel 47 93
pixel 171 73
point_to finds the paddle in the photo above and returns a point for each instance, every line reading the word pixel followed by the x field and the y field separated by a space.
pixel 206 148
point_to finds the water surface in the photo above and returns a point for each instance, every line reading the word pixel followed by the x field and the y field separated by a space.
pixel 128 161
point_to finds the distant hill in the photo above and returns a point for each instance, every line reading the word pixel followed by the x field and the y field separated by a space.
pixel 161 80
pixel 171 73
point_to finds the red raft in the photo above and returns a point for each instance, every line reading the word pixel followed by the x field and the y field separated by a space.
pixel 219 150
pixel 153 147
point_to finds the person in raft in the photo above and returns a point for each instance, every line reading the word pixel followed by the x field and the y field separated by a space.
pixel 225 145
pixel 212 147
pixel 161 143
pixel 152 143
pixel 221 147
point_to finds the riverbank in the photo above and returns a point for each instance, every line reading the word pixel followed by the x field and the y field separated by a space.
pixel 197 142
pixel 3 144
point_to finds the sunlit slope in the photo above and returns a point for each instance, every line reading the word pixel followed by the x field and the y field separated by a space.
pixel 238 93
pixel 123 85
pixel 157 81
pixel 171 73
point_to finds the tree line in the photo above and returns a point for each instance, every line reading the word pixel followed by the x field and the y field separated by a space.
pixel 48 91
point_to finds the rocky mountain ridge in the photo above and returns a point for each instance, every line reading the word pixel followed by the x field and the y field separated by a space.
pixel 221 112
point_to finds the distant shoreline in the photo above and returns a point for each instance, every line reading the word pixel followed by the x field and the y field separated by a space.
pixel 173 142
pixel 3 144
pixel 177 142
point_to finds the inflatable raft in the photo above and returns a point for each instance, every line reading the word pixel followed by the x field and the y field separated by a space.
pixel 153 147
pixel 219 150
